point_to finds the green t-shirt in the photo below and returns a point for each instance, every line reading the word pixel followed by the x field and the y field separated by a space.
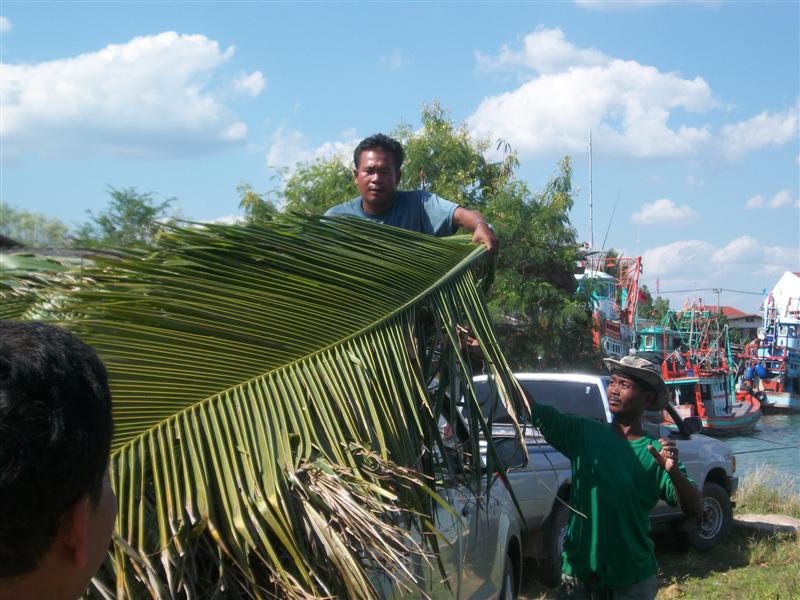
pixel 615 485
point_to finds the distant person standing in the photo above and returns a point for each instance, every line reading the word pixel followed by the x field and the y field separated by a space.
pixel 57 507
pixel 378 160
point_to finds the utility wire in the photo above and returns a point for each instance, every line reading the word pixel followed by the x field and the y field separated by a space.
pixel 711 290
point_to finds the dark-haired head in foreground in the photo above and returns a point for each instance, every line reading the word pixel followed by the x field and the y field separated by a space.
pixel 57 508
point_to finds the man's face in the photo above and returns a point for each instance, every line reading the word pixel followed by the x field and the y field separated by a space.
pixel 377 178
pixel 626 397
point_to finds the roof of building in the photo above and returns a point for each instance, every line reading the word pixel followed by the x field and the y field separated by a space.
pixel 729 311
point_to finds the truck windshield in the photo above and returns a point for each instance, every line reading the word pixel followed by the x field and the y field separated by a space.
pixel 570 397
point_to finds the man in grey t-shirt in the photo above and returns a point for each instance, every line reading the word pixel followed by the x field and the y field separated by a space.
pixel 378 160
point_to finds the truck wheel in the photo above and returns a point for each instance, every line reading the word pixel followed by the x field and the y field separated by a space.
pixel 548 569
pixel 714 524
pixel 509 591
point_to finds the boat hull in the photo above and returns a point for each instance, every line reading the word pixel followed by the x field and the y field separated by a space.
pixel 746 412
pixel 723 426
pixel 780 402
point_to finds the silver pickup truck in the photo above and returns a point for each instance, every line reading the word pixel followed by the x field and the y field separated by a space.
pixel 541 486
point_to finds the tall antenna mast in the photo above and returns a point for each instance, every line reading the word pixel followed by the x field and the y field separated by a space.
pixel 591 226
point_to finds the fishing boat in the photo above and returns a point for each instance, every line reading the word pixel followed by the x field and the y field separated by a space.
pixel 699 370
pixel 612 285
pixel 771 366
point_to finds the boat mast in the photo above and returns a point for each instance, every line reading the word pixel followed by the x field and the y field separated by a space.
pixel 591 228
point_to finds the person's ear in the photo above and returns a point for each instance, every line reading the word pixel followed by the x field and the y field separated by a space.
pixel 73 534
pixel 355 174
pixel 397 177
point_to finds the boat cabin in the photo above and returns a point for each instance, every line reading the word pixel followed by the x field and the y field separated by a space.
pixel 703 396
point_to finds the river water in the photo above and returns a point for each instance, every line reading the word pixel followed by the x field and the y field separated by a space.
pixel 762 448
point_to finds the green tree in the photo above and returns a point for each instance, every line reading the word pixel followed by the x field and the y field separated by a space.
pixel 314 187
pixel 132 218
pixel 31 229
pixel 445 159
pixel 541 321
pixel 652 309
pixel 257 207
pixel 610 264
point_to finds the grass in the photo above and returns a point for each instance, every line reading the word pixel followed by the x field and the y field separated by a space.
pixel 748 565
pixel 765 492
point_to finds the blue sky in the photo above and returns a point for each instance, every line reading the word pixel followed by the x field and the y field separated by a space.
pixel 693 109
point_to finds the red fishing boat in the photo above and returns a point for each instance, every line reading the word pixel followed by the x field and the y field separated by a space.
pixel 699 370
pixel 612 284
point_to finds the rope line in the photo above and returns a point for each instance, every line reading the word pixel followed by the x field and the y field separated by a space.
pixel 769 441
pixel 766 450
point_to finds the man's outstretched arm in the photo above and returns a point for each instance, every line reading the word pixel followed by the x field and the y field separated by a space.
pixel 473 222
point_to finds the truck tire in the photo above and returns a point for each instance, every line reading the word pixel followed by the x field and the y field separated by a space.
pixel 715 523
pixel 548 569
pixel 509 590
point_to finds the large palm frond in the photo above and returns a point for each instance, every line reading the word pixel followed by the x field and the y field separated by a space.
pixel 277 390
pixel 23 276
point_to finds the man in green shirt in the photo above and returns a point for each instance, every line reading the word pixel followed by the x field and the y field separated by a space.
pixel 618 475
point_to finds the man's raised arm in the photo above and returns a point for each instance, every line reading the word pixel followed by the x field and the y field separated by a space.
pixel 473 222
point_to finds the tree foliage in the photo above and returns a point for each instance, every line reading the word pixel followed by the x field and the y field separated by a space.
pixel 443 158
pixel 132 218
pixel 652 309
pixel 31 229
pixel 257 207
pixel 541 322
pixel 314 187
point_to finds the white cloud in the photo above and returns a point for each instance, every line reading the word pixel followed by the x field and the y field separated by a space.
pixel 694 181
pixel 704 262
pixel 760 131
pixel 289 147
pixel 252 84
pixel 663 211
pixel 633 109
pixel 779 200
pixel 756 202
pixel 395 60
pixel 149 97
pixel 740 250
pixel 626 104
pixel 691 269
pixel 544 51
pixel 674 258
pixel 778 259
pixel 227 220
pixel 5 25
